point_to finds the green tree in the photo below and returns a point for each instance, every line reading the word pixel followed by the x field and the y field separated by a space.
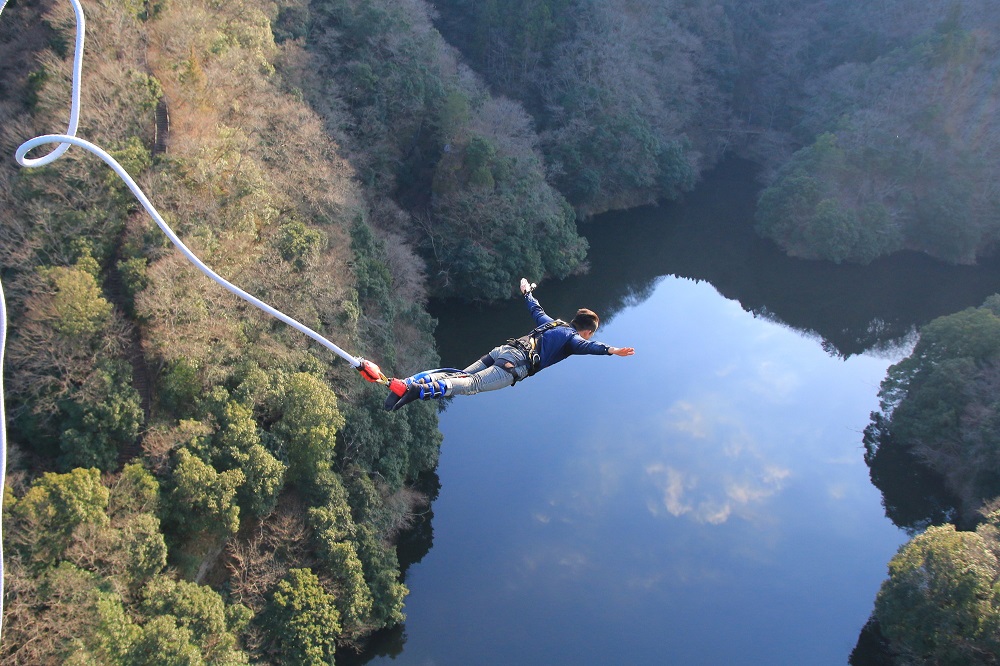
pixel 240 445
pixel 203 499
pixel 806 212
pixel 265 477
pixel 332 519
pixel 77 307
pixel 181 387
pixel 834 229
pixel 376 441
pixel 381 567
pixel 135 491
pixel 200 610
pixel 971 336
pixel 333 527
pixel 308 426
pixel 941 402
pixel 133 155
pixel 479 157
pixel 165 642
pixel 354 599
pixel 56 505
pixel 184 625
pixel 941 604
pixel 143 548
pixel 303 621
pixel 395 447
pixel 298 244
pixel 374 281
pixel 100 418
pixel 113 637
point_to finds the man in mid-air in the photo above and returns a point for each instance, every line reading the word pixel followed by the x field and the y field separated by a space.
pixel 549 342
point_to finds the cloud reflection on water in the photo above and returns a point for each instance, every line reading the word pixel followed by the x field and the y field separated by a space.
pixel 712 467
pixel 712 499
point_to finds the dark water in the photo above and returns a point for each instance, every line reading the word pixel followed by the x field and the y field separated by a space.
pixel 703 502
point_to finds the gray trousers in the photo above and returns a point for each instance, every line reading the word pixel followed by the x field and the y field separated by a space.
pixel 487 375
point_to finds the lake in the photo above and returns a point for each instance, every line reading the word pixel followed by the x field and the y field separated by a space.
pixel 703 502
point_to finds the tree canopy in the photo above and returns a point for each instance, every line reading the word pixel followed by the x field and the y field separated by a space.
pixel 941 402
pixel 940 604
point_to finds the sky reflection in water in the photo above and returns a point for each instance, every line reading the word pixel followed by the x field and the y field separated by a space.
pixel 704 502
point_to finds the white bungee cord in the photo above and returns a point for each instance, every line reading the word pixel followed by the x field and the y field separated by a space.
pixel 369 370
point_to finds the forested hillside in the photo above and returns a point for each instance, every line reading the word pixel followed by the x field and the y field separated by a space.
pixel 631 99
pixel 464 164
pixel 264 486
pixel 898 131
pixel 876 121
pixel 941 403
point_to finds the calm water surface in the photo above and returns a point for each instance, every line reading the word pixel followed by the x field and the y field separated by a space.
pixel 703 502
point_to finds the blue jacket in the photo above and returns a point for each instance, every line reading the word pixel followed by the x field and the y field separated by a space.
pixel 560 342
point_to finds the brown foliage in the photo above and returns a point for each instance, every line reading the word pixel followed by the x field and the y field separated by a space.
pixel 245 159
pixel 47 364
pixel 258 561
pixel 44 616
pixel 161 441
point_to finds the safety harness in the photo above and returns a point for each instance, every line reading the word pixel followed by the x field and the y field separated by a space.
pixel 529 345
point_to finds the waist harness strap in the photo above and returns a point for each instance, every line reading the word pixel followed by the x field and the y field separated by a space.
pixel 529 345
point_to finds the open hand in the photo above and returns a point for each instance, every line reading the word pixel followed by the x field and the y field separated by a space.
pixel 622 351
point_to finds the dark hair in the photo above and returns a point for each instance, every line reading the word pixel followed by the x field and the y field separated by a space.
pixel 586 320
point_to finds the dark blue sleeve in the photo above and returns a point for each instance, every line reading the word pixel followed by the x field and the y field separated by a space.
pixel 581 346
pixel 536 310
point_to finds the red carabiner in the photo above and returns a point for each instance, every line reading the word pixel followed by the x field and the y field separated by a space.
pixel 371 372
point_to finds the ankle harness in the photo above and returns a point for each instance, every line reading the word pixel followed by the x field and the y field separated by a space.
pixel 433 390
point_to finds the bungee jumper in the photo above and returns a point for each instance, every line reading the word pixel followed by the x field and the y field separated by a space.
pixel 551 341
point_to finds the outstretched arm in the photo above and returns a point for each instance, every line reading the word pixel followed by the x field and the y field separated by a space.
pixel 584 346
pixel 537 313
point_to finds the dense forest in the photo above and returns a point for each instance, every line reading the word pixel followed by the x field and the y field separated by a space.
pixel 874 121
pixel 900 145
pixel 262 486
pixel 191 482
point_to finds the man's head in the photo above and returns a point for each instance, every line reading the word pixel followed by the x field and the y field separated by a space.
pixel 586 322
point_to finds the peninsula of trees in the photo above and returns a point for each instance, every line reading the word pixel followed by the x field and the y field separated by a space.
pixel 941 406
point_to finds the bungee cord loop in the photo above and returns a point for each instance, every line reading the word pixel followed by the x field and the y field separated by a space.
pixel 369 370
pixel 68 140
